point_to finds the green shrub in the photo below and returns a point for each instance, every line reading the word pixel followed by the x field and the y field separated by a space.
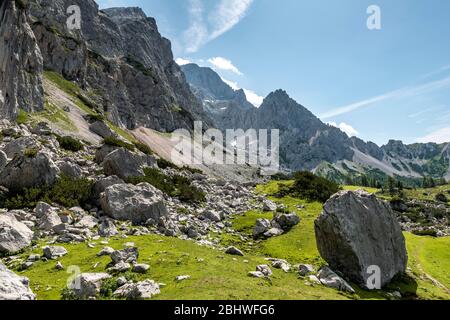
pixel 66 191
pixel 95 117
pixel 70 144
pixel 311 187
pixel 430 233
pixel 68 295
pixel 22 117
pixel 30 152
pixel 108 287
pixel 143 148
pixel 176 186
pixel 164 164
pixel 192 170
pixel 115 142
pixel 70 192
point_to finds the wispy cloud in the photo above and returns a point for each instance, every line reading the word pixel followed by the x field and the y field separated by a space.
pixel 252 96
pixel 182 61
pixel 439 136
pixel 345 127
pixel 402 93
pixel 207 26
pixel 224 64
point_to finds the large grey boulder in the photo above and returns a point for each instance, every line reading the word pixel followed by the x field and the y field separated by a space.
pixel 286 221
pixel 29 171
pixel 261 227
pixel 88 285
pixel 125 164
pixel 14 287
pixel 356 231
pixel 14 235
pixel 138 203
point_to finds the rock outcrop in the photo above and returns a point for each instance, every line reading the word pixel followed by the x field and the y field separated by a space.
pixel 356 231
pixel 27 171
pixel 21 64
pixel 14 235
pixel 120 55
pixel 13 287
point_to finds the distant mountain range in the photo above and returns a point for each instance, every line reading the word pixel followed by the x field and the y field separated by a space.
pixel 309 144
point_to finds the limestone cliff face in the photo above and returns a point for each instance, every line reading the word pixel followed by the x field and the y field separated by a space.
pixel 20 62
pixel 120 58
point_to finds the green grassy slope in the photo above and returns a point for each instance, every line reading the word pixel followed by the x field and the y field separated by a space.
pixel 215 275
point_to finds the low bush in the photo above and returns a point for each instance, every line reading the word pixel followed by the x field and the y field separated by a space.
pixel 164 164
pixel 143 148
pixel 115 142
pixel 66 191
pixel 70 144
pixel 311 187
pixel 175 186
pixel 30 152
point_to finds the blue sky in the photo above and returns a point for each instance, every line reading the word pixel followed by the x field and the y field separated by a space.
pixel 392 83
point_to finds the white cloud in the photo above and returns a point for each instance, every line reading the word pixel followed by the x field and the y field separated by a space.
pixel 224 64
pixel 227 15
pixel 252 97
pixel 348 129
pixel 195 35
pixel 438 136
pixel 182 61
pixel 221 19
pixel 406 92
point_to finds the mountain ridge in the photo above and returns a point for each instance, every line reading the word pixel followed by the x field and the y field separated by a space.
pixel 309 144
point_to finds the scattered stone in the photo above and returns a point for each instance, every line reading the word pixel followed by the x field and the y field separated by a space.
pixel 88 285
pixel 256 274
pixel 26 265
pixel 107 228
pixel 137 291
pixel 269 206
pixel 141 268
pixel 261 227
pixel 120 267
pixel 330 279
pixel 59 266
pixel 234 251
pixel 264 269
pixel 55 252
pixel 305 269
pixel 287 221
pixel 129 255
pixel 281 264
pixel 182 278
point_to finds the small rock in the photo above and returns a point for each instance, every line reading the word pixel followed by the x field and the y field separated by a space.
pixel 141 268
pixel 182 278
pixel 59 266
pixel 305 269
pixel 54 252
pixel 234 251
pixel 264 269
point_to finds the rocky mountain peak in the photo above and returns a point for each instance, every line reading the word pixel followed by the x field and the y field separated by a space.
pixel 128 13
